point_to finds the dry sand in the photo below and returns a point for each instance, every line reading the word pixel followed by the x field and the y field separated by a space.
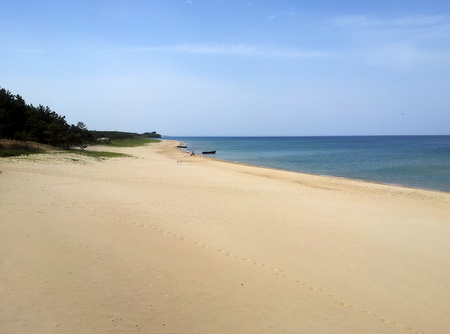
pixel 149 245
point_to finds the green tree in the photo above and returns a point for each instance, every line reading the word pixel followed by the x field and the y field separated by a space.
pixel 12 114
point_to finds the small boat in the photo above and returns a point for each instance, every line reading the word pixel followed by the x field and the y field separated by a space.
pixel 209 152
pixel 182 146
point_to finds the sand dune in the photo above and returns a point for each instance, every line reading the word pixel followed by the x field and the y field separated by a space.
pixel 149 245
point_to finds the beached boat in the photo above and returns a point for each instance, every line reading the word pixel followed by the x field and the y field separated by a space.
pixel 182 146
pixel 209 152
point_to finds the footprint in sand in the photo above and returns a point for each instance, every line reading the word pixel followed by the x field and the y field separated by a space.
pixel 346 305
pixel 278 272
pixel 368 313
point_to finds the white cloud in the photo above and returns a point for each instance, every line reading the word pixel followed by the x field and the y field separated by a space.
pixel 236 50
pixel 400 43
pixel 405 56
pixel 418 25
pixel 420 20
pixel 399 56
pixel 30 51
pixel 406 21
pixel 355 21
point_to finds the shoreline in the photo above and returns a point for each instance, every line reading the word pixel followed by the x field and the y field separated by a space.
pixel 319 175
pixel 415 180
pixel 338 177
pixel 147 243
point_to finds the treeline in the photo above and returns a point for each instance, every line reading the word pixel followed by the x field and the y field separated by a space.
pixel 120 135
pixel 24 122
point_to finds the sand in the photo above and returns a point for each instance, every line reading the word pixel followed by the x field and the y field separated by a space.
pixel 163 242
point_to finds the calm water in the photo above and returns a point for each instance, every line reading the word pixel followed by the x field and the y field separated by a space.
pixel 413 161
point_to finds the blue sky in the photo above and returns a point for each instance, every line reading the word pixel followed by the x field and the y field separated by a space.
pixel 231 67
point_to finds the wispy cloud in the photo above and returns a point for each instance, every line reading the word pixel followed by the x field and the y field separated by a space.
pixel 405 56
pixel 26 51
pixel 398 56
pixel 400 43
pixel 235 50
pixel 417 24
pixel 407 21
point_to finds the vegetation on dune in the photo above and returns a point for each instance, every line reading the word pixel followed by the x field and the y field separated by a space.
pixel 20 121
pixel 27 123
pixel 133 142
pixel 99 154
pixel 11 148
pixel 120 135
pixel 13 152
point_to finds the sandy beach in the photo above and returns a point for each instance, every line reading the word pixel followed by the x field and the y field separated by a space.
pixel 163 242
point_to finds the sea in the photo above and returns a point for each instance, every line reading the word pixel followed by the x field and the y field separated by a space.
pixel 412 161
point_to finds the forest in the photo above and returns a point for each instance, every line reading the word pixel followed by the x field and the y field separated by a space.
pixel 20 121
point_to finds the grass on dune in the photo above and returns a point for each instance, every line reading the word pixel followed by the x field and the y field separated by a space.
pixel 133 142
pixel 98 154
pixel 92 154
pixel 18 151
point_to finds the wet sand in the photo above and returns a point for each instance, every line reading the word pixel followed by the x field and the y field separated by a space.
pixel 168 243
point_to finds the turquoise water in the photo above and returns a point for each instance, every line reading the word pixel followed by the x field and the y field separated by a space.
pixel 412 161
